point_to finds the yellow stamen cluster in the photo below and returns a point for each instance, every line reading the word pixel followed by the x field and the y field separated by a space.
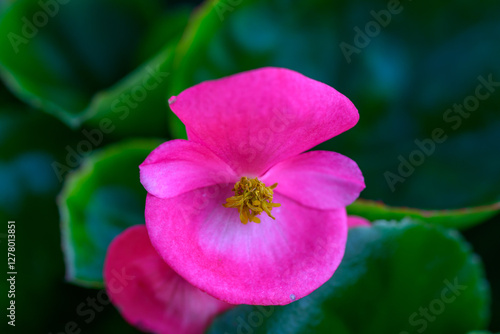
pixel 251 198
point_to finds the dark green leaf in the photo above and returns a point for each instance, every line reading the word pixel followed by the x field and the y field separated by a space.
pixel 395 278
pixel 459 219
pixel 99 201
pixel 69 58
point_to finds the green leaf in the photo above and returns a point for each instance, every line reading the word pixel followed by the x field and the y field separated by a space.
pixel 87 60
pixel 99 201
pixel 394 278
pixel 402 82
pixel 145 115
pixel 458 219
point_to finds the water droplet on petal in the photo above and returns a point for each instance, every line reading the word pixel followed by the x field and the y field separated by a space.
pixel 292 296
pixel 172 100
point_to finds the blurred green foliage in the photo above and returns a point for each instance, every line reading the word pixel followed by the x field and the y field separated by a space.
pixel 83 61
pixel 427 58
pixel 97 72
pixel 97 204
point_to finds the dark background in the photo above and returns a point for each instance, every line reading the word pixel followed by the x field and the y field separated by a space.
pixel 403 81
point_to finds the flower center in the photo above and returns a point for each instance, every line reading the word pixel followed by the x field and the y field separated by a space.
pixel 251 198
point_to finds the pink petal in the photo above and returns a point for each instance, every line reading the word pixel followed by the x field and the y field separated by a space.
pixel 319 179
pixel 271 263
pixel 356 221
pixel 178 166
pixel 149 294
pixel 254 119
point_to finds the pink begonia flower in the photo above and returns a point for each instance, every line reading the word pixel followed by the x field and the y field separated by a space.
pixel 152 296
pixel 237 209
